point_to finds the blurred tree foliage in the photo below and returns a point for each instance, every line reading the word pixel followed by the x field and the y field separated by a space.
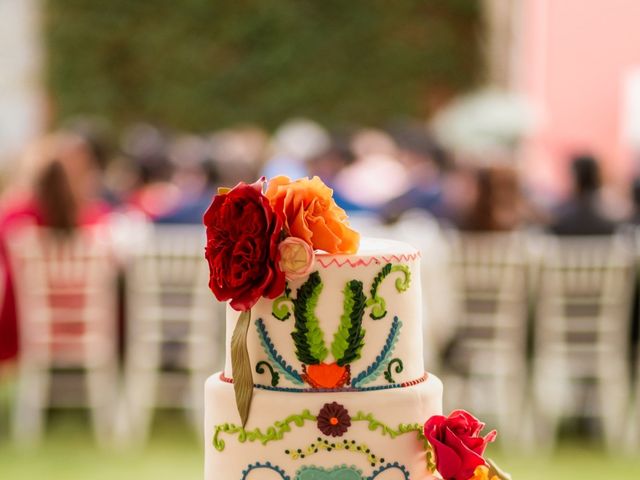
pixel 203 64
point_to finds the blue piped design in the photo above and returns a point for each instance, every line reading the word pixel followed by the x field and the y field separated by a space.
pixel 275 357
pixel 390 466
pixel 266 466
pixel 377 367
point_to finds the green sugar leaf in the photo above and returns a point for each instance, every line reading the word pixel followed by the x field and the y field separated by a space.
pixel 308 335
pixel 241 366
pixel 349 338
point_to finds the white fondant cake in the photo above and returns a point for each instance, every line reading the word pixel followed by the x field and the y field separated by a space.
pixel 340 390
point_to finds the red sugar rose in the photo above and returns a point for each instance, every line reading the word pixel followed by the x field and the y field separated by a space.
pixel 457 444
pixel 243 233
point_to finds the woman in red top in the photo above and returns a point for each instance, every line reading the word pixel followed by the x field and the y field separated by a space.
pixel 60 189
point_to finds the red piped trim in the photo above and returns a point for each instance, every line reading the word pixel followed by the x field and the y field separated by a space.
pixel 410 383
pixel 361 262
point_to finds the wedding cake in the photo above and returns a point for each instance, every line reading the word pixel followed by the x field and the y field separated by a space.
pixel 324 375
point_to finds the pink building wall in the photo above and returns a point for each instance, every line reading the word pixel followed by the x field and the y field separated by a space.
pixel 574 58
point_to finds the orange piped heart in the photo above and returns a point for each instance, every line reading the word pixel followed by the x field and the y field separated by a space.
pixel 326 375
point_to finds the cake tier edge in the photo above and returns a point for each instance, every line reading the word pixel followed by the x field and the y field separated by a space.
pixel 347 434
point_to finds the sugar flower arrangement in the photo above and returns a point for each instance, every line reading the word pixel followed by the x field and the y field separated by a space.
pixel 259 236
pixel 455 448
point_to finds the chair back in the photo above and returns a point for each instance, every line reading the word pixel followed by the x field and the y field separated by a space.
pixel 170 309
pixel 490 278
pixel 584 300
pixel 66 295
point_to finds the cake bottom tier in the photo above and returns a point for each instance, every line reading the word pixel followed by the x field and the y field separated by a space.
pixel 345 435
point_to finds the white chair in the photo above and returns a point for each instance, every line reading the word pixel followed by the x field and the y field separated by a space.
pixel 65 286
pixel 486 365
pixel 175 328
pixel 581 364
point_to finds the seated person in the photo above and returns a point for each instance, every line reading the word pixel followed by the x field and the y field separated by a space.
pixel 582 213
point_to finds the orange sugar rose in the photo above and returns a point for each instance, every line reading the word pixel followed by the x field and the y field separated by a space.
pixel 312 215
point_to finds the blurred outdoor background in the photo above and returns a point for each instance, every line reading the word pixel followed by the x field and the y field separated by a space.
pixel 501 137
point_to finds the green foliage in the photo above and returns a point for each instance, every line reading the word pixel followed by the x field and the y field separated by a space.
pixel 307 335
pixel 201 64
pixel 349 338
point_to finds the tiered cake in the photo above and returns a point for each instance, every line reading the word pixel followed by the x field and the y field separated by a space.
pixel 340 391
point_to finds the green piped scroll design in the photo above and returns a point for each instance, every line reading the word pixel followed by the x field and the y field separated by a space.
pixel 275 376
pixel 388 375
pixel 273 433
pixel 384 429
pixel 280 428
pixel 273 355
pixel 380 363
pixel 376 302
pixel 281 307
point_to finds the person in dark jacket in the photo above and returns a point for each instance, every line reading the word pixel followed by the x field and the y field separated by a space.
pixel 582 213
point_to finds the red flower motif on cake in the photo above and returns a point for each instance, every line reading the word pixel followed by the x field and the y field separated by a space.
pixel 334 420
pixel 457 444
pixel 243 233
pixel 326 375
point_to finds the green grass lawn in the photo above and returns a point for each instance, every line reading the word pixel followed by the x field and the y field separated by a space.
pixel 174 453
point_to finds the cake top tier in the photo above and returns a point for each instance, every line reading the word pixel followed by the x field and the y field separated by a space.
pixel 353 323
pixel 308 301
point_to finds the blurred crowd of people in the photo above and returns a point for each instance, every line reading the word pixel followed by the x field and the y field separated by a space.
pixel 79 176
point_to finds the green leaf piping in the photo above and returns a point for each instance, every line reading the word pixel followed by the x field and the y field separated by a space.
pixel 349 338
pixel 307 335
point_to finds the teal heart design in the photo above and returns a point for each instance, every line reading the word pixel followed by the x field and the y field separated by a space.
pixel 337 473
